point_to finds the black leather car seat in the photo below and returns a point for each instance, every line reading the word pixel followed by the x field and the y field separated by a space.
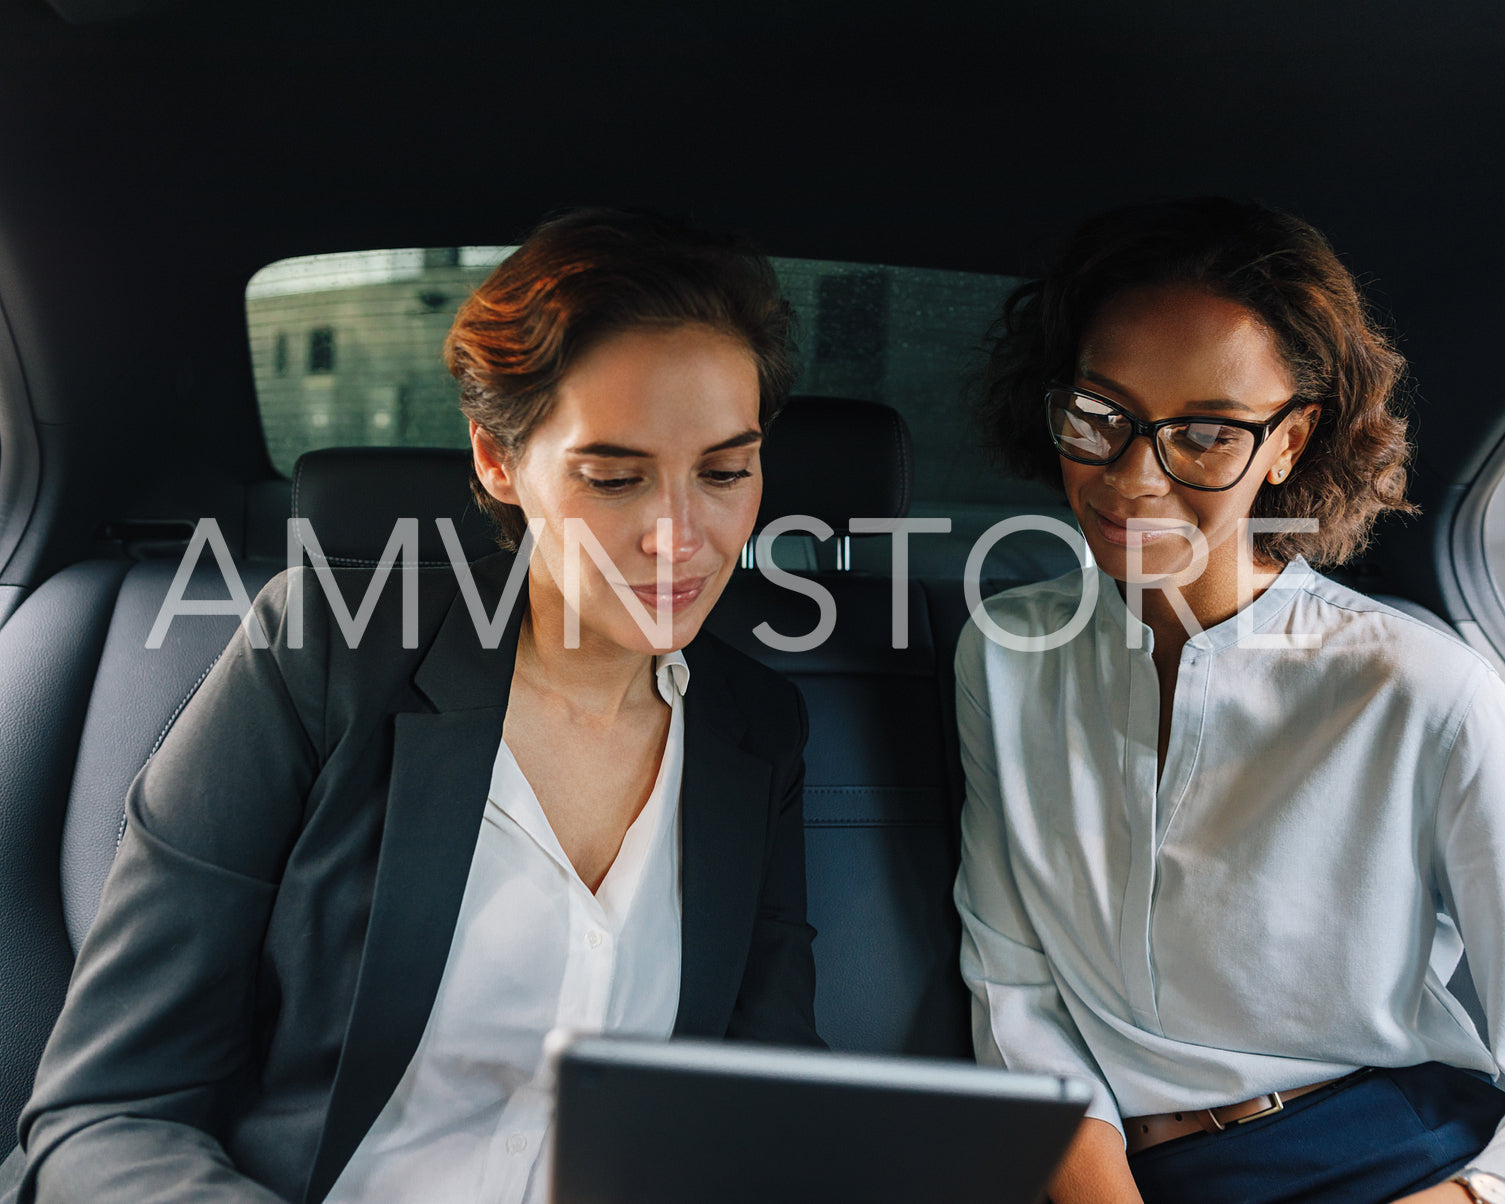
pixel 881 785
pixel 83 704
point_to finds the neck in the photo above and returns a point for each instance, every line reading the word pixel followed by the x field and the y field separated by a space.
pixel 599 679
pixel 1215 596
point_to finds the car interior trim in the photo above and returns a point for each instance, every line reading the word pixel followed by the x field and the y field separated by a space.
pixel 20 461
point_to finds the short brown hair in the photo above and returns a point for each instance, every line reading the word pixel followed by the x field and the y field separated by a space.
pixel 1284 271
pixel 585 275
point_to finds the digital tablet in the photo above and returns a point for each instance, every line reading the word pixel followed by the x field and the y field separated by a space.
pixel 696 1122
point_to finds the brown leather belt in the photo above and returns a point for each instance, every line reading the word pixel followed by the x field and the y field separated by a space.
pixel 1142 1132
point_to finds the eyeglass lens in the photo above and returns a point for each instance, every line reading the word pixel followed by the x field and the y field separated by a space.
pixel 1195 452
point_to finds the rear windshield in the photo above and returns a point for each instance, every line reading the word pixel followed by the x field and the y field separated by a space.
pixel 346 352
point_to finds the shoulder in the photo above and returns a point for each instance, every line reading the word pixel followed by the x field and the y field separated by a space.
pixel 768 703
pixel 363 623
pixel 1352 654
pixel 1036 609
pixel 386 591
pixel 1406 647
pixel 1039 607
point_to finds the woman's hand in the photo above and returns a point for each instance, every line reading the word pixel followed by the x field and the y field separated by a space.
pixel 1443 1193
pixel 1095 1169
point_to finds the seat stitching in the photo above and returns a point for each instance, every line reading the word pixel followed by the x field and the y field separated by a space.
pixel 367 562
pixel 842 822
pixel 162 735
pixel 898 434
pixel 861 789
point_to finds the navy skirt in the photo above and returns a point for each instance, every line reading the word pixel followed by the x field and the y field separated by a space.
pixel 1365 1140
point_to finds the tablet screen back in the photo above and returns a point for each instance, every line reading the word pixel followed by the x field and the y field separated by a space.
pixel 682 1121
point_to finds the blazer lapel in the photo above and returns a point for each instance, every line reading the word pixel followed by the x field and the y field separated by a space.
pixel 723 809
pixel 441 766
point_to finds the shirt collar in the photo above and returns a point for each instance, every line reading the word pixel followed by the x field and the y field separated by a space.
pixel 672 675
pixel 1275 599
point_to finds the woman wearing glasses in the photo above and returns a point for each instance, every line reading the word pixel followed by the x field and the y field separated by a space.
pixel 1225 878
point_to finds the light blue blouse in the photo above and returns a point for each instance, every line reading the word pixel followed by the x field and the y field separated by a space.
pixel 1284 906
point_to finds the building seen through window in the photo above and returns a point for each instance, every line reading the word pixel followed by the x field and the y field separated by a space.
pixel 373 324
pixel 320 350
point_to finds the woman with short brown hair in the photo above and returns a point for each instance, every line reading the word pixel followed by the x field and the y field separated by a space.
pixel 358 886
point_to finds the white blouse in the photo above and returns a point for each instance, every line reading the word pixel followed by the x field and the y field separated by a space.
pixel 533 949
pixel 1284 904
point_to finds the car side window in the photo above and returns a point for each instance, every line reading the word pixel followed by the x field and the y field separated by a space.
pixel 346 352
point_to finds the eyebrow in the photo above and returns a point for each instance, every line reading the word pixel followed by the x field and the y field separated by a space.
pixel 615 451
pixel 1211 403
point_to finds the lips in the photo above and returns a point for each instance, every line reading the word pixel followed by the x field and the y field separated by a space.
pixel 1115 529
pixel 680 595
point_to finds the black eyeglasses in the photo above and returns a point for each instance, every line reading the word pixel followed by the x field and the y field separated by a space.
pixel 1201 453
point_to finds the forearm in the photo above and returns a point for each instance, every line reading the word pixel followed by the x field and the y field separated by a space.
pixel 156 1038
pixel 1095 1169
pixel 131 1160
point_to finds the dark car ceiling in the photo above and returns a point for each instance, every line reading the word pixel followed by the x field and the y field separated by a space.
pixel 149 165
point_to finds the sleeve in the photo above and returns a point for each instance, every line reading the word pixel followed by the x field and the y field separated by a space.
pixel 1470 863
pixel 1019 1020
pixel 776 1000
pixel 155 1039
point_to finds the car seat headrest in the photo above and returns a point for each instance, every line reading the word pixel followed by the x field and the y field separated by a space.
pixel 836 459
pixel 831 458
pixel 354 496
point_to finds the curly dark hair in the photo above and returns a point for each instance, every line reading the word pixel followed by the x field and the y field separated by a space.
pixel 583 276
pixel 1281 268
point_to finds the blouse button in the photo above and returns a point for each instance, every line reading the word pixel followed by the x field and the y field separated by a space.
pixel 593 938
pixel 517 1143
